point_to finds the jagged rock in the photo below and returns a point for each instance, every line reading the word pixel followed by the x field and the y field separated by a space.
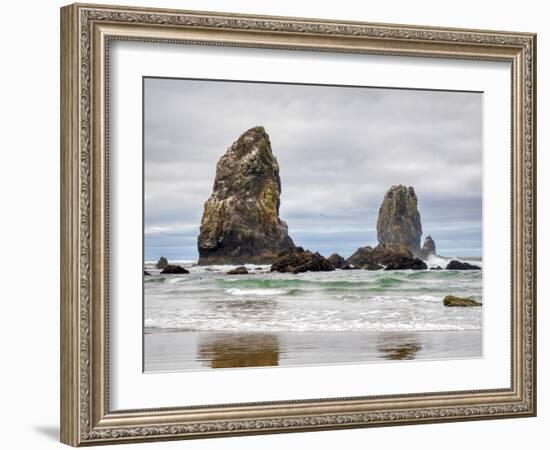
pixel 241 270
pixel 436 268
pixel 174 269
pixel 428 249
pixel 399 219
pixel 240 223
pixel 451 300
pixel 147 274
pixel 162 263
pixel 459 265
pixel 407 264
pixel 363 255
pixel 297 260
pixel 337 261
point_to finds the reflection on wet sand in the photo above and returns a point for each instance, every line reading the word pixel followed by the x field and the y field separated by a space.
pixel 225 350
pixel 398 346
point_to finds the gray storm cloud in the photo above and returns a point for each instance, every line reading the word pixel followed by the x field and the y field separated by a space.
pixel 339 149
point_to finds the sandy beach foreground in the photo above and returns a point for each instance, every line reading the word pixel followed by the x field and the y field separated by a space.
pixel 184 350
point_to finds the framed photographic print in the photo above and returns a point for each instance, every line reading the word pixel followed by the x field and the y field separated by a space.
pixel 276 224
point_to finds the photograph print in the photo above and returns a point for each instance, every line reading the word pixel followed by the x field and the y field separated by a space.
pixel 304 224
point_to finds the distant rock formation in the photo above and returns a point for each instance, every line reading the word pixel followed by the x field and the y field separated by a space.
pixel 399 219
pixel 459 265
pixel 162 263
pixel 428 249
pixel 452 300
pixel 298 260
pixel 240 223
pixel 174 269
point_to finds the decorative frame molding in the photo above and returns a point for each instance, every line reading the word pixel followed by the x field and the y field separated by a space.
pixel 86 31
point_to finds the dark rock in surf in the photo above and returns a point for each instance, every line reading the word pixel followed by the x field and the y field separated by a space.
pixel 459 265
pixel 240 223
pixel 436 268
pixel 372 266
pixel 146 274
pixel 363 255
pixel 451 300
pixel 297 260
pixel 350 267
pixel 393 255
pixel 162 263
pixel 337 261
pixel 241 270
pixel 174 270
pixel 407 264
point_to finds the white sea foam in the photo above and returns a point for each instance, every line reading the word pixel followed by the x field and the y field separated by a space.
pixel 255 292
pixel 436 260
pixel 311 302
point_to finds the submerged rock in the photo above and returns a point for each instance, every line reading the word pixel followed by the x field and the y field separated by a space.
pixel 436 268
pixel 337 261
pixel 240 223
pixel 297 260
pixel 174 269
pixel 241 270
pixel 451 300
pixel 162 263
pixel 399 219
pixel 459 265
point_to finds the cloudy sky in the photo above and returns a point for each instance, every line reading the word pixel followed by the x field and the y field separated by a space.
pixel 339 149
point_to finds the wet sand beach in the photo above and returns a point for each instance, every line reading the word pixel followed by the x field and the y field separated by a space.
pixel 170 350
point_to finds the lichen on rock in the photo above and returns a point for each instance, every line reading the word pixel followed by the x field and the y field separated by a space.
pixel 240 223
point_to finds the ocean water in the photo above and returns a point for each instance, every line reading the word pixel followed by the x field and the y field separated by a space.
pixel 208 319
pixel 207 299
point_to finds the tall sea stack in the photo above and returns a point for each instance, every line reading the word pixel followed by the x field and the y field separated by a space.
pixel 240 223
pixel 399 219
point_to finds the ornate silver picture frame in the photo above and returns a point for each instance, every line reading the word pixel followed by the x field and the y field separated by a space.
pixel 87 33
